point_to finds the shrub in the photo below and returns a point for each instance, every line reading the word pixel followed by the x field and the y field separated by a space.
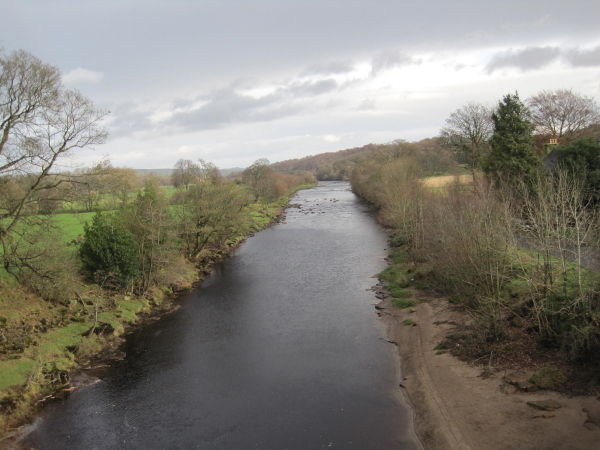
pixel 109 250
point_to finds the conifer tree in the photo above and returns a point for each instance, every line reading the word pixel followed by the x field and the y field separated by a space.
pixel 512 155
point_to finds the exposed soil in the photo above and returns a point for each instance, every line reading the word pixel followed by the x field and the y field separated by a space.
pixel 462 403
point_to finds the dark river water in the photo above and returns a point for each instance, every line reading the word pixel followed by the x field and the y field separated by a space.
pixel 279 349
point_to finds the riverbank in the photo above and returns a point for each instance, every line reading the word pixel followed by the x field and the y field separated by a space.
pixel 62 347
pixel 463 406
pixel 278 349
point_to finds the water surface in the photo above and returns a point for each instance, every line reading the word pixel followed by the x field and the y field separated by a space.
pixel 279 349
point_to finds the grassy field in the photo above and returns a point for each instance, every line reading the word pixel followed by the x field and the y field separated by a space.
pixel 72 224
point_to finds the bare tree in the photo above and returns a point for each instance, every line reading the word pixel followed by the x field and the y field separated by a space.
pixel 40 124
pixel 562 114
pixel 185 172
pixel 468 130
pixel 255 173
pixel 210 173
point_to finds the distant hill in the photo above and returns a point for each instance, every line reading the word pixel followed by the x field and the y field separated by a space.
pixel 226 172
pixel 326 166
pixel 157 172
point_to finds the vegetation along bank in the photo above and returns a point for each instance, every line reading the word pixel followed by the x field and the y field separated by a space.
pixel 498 270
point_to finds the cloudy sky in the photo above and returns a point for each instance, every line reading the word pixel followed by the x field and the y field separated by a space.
pixel 231 81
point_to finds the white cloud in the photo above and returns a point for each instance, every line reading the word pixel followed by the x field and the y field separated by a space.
pixel 80 76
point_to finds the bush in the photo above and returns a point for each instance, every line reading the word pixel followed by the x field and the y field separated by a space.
pixel 109 250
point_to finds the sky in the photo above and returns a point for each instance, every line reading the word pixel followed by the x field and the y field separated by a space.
pixel 232 81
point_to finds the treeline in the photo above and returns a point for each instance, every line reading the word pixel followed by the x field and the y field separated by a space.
pixel 138 245
pixel 435 158
pixel 514 247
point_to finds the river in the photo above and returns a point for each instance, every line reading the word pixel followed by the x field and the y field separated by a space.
pixel 279 349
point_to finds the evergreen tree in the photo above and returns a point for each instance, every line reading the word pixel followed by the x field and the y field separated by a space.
pixel 582 160
pixel 511 156
pixel 109 251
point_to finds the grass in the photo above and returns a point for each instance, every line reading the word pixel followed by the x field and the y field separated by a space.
pixel 445 180
pixel 72 224
pixel 408 322
pixel 402 303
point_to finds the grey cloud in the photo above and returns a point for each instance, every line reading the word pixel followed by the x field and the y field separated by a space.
pixel 583 58
pixel 225 106
pixel 390 59
pixel 530 58
pixel 311 88
pixel 128 120
pixel 330 68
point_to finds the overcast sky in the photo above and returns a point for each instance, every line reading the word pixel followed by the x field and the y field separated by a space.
pixel 231 81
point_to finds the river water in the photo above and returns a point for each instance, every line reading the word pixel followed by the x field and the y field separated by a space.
pixel 279 349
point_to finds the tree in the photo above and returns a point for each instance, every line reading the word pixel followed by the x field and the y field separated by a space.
pixel 109 250
pixel 511 154
pixel 467 132
pixel 89 185
pixel 562 114
pixel 185 172
pixel 40 124
pixel 581 160
pixel 149 219
pixel 255 176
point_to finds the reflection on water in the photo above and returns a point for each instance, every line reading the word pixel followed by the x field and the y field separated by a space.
pixel 280 349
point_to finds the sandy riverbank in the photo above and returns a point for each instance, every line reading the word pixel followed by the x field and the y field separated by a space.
pixel 457 409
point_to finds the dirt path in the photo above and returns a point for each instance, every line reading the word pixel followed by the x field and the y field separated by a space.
pixel 455 408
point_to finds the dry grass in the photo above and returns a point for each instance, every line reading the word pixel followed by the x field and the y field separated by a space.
pixel 446 180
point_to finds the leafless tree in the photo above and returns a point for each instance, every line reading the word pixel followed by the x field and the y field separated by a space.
pixel 185 172
pixel 468 130
pixel 40 124
pixel 255 173
pixel 562 114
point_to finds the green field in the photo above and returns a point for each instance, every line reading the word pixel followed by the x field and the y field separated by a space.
pixel 72 224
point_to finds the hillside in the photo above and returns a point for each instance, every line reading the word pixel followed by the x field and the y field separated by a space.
pixel 326 166
pixel 431 154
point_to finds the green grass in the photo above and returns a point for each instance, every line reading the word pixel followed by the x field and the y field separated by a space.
pixel 72 224
pixel 408 322
pixel 168 190
pixel 14 372
pixel 398 292
pixel 57 346
pixel 402 303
